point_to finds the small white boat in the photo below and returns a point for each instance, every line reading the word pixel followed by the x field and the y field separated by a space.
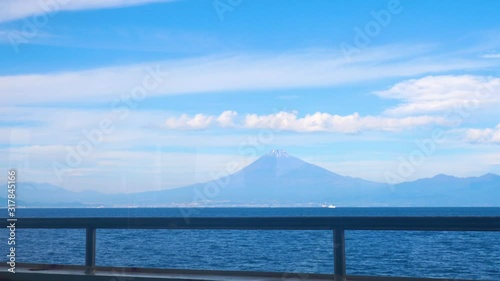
pixel 331 206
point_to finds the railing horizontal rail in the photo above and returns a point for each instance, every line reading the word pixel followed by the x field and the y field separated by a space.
pixel 270 223
pixel 336 224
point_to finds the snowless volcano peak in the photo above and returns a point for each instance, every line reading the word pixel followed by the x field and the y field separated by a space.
pixel 279 153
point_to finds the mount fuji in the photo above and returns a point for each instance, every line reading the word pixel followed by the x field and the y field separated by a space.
pixel 278 178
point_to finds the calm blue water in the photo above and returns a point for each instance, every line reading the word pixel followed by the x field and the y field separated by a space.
pixel 467 255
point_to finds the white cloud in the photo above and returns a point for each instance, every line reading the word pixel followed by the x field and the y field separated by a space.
pixel 15 9
pixel 438 94
pixel 325 122
pixel 487 135
pixel 200 121
pixel 226 118
pixel 290 121
pixel 186 122
pixel 36 126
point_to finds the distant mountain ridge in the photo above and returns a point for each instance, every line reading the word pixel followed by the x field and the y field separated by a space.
pixel 445 190
pixel 280 179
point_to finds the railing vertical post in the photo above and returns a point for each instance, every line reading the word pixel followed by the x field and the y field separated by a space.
pixel 90 251
pixel 339 254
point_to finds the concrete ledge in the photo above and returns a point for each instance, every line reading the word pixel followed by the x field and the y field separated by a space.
pixel 41 272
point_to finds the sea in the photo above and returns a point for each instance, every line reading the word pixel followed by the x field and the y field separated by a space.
pixel 443 254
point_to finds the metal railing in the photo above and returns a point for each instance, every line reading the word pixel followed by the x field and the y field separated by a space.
pixel 336 224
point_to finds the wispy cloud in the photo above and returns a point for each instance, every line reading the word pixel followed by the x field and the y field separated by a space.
pixel 223 74
pixel 437 94
pixel 14 9
pixel 491 56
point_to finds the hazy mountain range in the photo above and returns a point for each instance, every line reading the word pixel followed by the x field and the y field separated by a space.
pixel 283 180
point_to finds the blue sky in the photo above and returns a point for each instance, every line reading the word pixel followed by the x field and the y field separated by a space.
pixel 123 96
